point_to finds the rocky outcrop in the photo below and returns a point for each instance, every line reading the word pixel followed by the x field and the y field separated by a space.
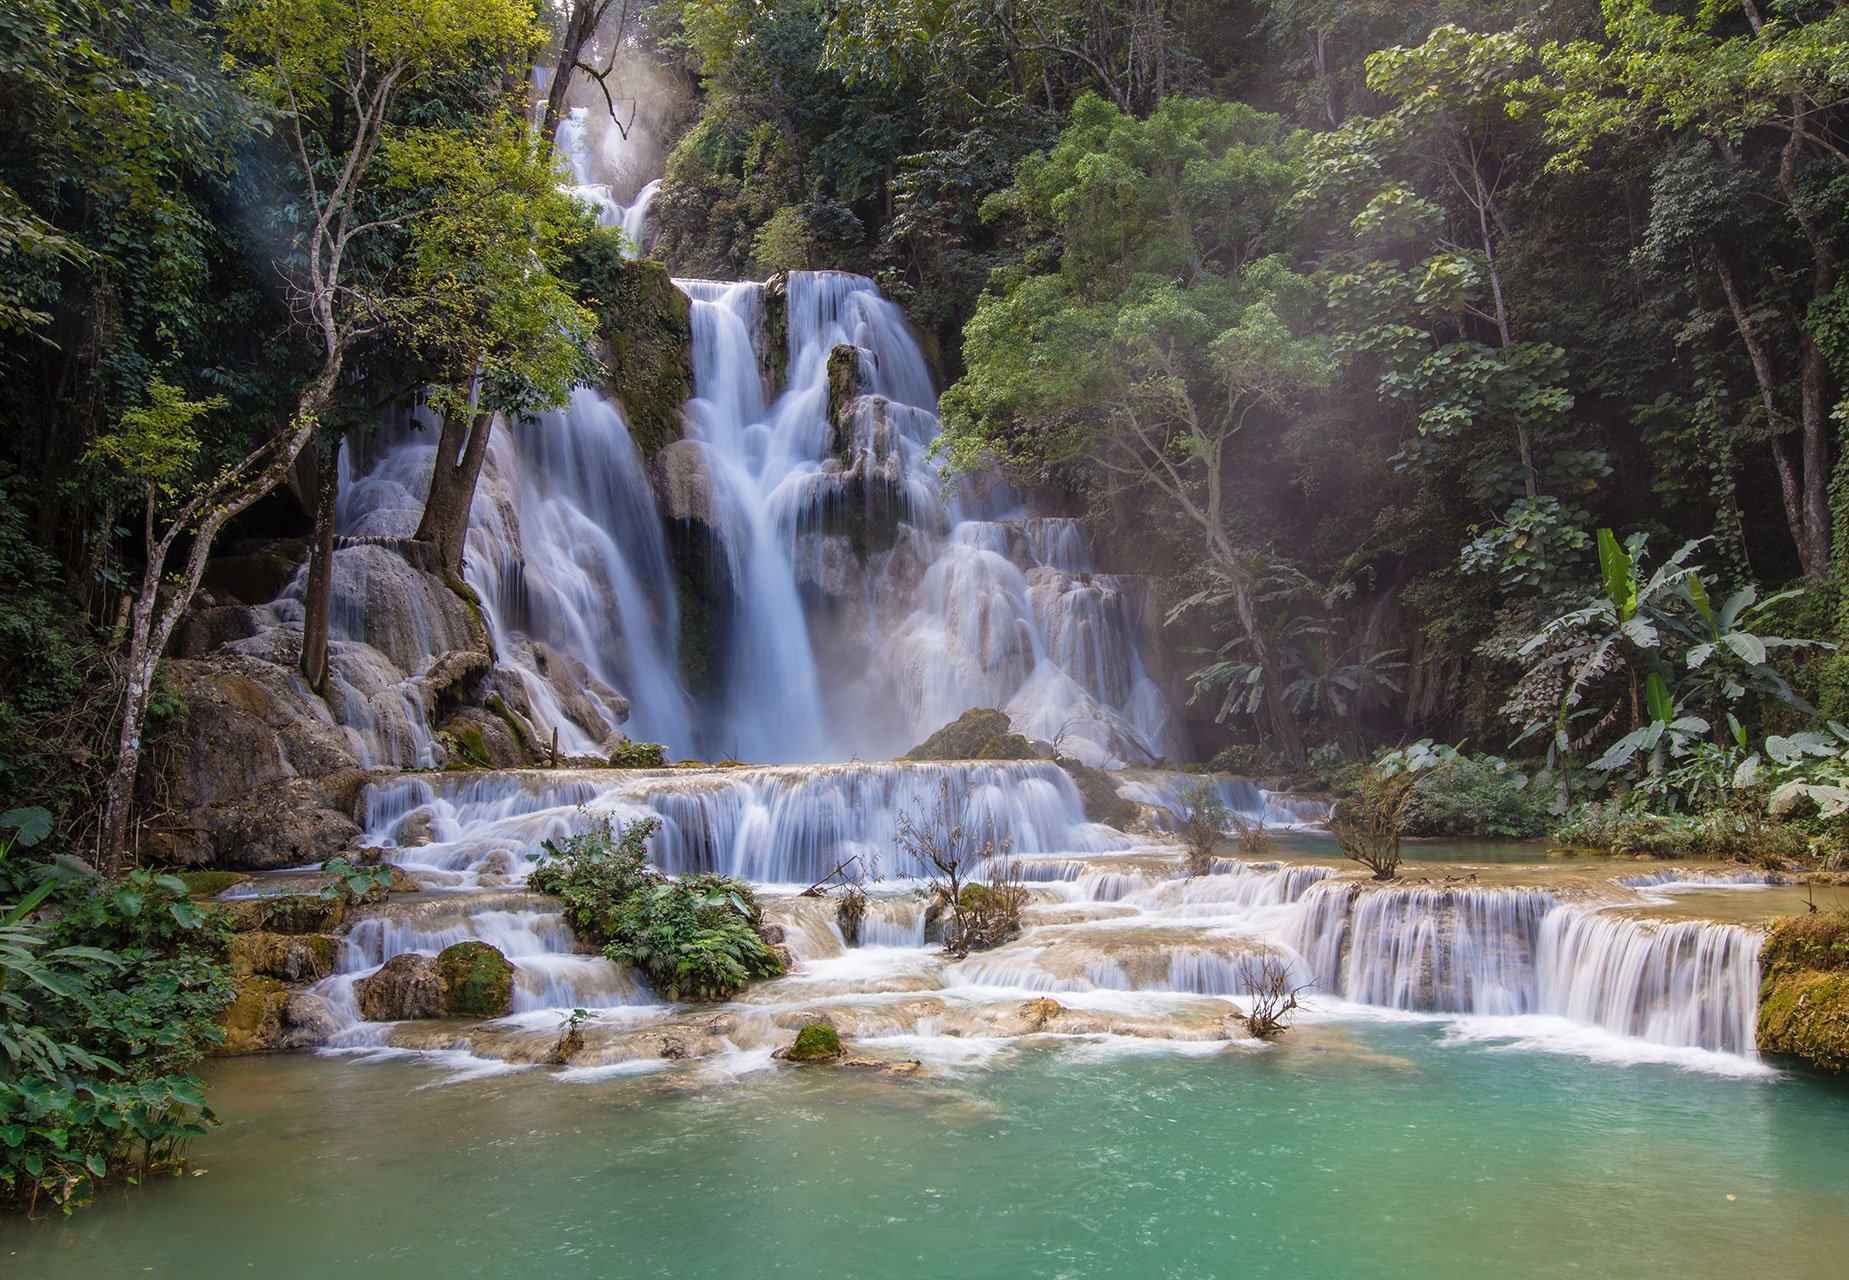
pixel 965 737
pixel 700 555
pixel 266 1016
pixel 288 957
pixel 645 329
pixel 816 1042
pixel 405 987
pixel 253 778
pixel 1804 990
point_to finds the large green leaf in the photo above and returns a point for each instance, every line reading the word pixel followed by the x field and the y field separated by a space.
pixel 1615 565
pixel 1656 694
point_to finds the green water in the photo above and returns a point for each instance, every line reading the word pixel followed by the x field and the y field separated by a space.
pixel 1375 1150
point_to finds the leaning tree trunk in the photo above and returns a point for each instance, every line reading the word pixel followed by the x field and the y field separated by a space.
pixel 580 28
pixel 318 605
pixel 461 449
pixel 153 619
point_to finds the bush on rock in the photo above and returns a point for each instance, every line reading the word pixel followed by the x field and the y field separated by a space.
pixel 694 938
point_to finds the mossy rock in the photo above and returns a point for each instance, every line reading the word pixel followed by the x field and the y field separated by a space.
pixel 209 884
pixel 815 1043
pixel 286 913
pixel 1099 793
pixel 253 1022
pixel 1804 990
pixel 478 981
pixel 289 957
pixel 640 755
pixel 646 327
pixel 1806 1015
pixel 963 737
pixel 1009 746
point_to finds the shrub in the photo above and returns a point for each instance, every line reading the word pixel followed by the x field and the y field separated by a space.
pixel 1475 797
pixel 1203 823
pixel 1243 759
pixel 639 755
pixel 104 1011
pixel 694 938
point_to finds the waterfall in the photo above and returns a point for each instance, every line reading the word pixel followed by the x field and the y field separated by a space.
pixel 1504 952
pixel 933 601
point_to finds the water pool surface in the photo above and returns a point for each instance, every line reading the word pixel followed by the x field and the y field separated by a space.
pixel 1378 1149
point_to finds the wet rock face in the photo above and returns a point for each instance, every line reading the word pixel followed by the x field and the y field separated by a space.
pixel 253 779
pixel 408 986
pixel 1804 990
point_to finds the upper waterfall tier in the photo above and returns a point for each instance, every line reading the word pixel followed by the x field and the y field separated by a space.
pixel 793 581
pixel 870 601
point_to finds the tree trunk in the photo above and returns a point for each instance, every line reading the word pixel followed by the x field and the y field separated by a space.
pixel 580 28
pixel 315 609
pixel 461 449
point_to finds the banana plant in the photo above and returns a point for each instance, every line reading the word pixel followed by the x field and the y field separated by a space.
pixel 1683 667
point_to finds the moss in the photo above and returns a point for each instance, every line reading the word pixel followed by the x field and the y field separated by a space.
pixel 1007 746
pixel 498 708
pixel 646 328
pixel 963 737
pixel 466 746
pixel 1102 803
pixel 1804 990
pixel 814 1043
pixel 253 1021
pixel 209 884
pixel 286 913
pixel 478 981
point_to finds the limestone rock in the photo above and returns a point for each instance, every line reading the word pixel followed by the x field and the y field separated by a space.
pixel 294 913
pixel 408 986
pixel 290 957
pixel 307 1021
pixel 254 1020
pixel 683 484
pixel 964 737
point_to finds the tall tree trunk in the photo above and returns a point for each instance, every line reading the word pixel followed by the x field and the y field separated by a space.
pixel 315 609
pixel 1283 722
pixel 461 449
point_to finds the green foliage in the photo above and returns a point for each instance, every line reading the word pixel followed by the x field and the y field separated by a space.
pixel 104 1009
pixel 1476 796
pixel 694 938
pixel 639 755
pixel 353 882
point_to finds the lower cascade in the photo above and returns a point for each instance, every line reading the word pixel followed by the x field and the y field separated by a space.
pixel 1111 925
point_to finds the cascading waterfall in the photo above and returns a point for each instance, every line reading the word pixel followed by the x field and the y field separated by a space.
pixel 869 602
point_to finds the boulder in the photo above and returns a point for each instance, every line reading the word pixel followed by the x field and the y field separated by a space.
pixel 816 1043
pixel 478 981
pixel 407 986
pixel 253 1022
pixel 683 484
pixel 1804 989
pixel 416 829
pixel 964 737
pixel 1007 746
pixel 307 1021
pixel 290 957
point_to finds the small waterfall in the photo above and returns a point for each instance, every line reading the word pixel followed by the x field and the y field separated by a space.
pixel 1502 952
pixel 1242 798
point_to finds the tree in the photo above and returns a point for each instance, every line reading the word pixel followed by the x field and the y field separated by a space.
pixel 1156 343
pixel 333 72
pixel 582 25
pixel 1728 71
